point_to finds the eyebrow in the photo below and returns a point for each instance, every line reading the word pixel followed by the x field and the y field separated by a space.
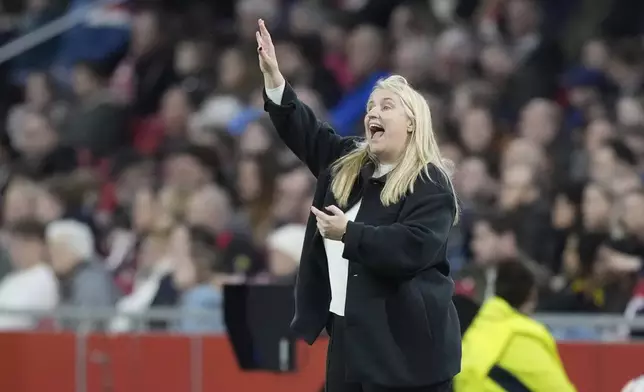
pixel 371 103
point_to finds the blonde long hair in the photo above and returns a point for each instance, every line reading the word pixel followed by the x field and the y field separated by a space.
pixel 421 150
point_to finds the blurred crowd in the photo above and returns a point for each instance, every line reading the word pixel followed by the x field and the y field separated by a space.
pixel 139 169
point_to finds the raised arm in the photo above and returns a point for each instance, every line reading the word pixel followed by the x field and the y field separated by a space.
pixel 314 142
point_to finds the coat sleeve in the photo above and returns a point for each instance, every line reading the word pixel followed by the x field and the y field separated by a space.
pixel 315 143
pixel 412 244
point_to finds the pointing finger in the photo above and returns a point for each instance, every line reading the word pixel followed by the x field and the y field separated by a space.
pixel 319 214
pixel 334 210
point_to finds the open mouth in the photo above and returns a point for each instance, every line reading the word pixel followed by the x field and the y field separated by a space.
pixel 376 131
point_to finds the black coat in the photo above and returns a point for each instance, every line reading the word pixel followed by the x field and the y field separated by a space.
pixel 402 327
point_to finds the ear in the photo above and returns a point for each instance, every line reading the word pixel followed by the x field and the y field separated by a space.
pixel 410 126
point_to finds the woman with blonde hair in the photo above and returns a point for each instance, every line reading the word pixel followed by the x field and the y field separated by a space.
pixel 373 270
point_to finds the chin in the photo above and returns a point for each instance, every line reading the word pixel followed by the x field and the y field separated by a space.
pixel 375 150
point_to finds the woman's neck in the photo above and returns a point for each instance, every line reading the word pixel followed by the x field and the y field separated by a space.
pixel 382 169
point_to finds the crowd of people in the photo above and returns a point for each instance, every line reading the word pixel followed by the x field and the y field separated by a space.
pixel 139 168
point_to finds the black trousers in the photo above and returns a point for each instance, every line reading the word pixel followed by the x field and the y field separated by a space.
pixel 336 368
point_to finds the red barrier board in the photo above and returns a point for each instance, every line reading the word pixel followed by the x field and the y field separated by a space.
pixel 161 363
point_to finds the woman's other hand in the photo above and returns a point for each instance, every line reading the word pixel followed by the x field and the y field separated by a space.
pixel 267 58
pixel 333 225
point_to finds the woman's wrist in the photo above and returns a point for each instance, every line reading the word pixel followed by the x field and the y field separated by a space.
pixel 274 81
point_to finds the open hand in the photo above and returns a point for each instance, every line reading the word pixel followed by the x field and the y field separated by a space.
pixel 266 50
pixel 331 226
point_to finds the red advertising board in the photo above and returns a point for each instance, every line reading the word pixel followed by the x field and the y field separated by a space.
pixel 161 363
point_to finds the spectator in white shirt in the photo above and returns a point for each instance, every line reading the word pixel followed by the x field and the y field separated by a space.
pixel 83 281
pixel 32 285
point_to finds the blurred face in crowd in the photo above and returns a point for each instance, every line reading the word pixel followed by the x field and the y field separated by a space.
pixel 400 23
pixel 232 69
pixel 255 139
pixel 518 187
pixel 184 173
pixel 19 200
pixel 595 207
pixel 280 264
pixel 496 62
pixel 410 59
pixel 594 55
pixel 210 207
pixel 632 205
pixel 48 207
pixel 461 102
pixel 84 82
pixel 484 243
pixel 472 178
pixel 364 49
pixel 37 137
pixel 477 130
pixel 454 51
pixel 293 194
pixel 248 11
pixel 248 181
pixel 629 112
pixel 38 93
pixel 302 20
pixel 387 125
pixel 145 33
pixel 25 251
pixel 61 255
pixel 539 121
pixel 131 179
pixel 604 166
pixel 522 17
pixel 597 133
pixel 333 37
pixel 175 112
pixel 188 59
pixel 292 63
pixel 523 152
pixel 563 213
pixel 452 152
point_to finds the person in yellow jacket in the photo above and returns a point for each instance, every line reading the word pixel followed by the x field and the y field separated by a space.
pixel 504 350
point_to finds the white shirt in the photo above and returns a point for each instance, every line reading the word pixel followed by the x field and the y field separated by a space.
pixel 34 288
pixel 338 266
pixel 141 297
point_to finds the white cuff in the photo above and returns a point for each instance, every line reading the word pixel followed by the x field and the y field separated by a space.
pixel 275 94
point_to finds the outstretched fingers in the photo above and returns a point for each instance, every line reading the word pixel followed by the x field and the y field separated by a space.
pixel 264 31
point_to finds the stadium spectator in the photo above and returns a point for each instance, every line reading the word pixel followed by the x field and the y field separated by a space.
pixel 503 349
pixel 284 251
pixel 84 282
pixel 32 285
pixel 147 119
pixel 202 291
